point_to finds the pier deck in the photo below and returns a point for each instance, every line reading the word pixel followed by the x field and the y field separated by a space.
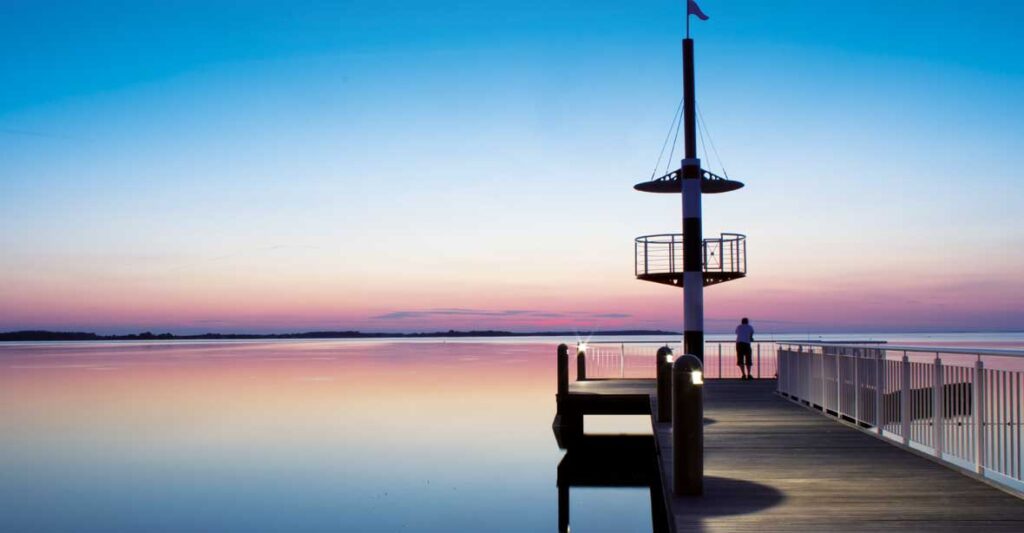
pixel 770 465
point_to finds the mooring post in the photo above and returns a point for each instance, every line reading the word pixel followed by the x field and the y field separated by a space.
pixel 581 365
pixel 563 370
pixel 687 426
pixel 664 384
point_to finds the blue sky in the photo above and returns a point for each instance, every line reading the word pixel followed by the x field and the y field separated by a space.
pixel 288 165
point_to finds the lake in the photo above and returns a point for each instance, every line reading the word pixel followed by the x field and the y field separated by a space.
pixel 299 435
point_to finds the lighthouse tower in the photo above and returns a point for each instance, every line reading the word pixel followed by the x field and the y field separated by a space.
pixel 687 259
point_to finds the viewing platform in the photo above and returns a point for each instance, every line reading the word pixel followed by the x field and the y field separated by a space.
pixel 659 258
pixel 866 437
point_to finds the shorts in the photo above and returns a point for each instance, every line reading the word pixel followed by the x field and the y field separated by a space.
pixel 743 354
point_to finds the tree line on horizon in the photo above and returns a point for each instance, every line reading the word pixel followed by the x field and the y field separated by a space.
pixel 44 335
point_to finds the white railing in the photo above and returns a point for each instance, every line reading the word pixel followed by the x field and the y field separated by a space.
pixel 961 406
pixel 663 254
pixel 636 359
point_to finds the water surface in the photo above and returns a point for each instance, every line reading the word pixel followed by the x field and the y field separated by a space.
pixel 288 436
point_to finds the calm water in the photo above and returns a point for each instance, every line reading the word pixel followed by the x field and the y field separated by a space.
pixel 297 436
pixel 288 436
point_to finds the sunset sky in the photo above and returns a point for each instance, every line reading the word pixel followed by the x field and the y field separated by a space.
pixel 407 166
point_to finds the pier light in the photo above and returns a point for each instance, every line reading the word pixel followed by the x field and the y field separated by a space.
pixel 669 358
pixel 697 377
pixel 582 346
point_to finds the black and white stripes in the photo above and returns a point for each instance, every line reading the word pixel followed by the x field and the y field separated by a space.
pixel 693 237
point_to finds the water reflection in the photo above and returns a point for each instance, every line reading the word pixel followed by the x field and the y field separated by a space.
pixel 283 436
pixel 609 461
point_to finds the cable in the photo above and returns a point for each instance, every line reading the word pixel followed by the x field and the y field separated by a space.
pixel 700 135
pixel 674 142
pixel 712 141
pixel 667 135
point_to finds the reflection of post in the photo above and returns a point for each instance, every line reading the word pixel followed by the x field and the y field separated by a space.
pixel 563 508
pixel 664 384
pixel 581 366
pixel 687 426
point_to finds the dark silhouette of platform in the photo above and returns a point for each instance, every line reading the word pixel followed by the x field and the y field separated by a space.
pixel 598 397
pixel 771 465
pixel 676 278
pixel 672 183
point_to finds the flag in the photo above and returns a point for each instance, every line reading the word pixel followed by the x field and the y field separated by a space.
pixel 693 9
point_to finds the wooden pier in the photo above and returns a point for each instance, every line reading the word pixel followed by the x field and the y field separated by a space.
pixel 771 465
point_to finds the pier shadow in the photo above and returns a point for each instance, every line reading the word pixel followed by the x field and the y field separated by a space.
pixel 611 461
pixel 723 497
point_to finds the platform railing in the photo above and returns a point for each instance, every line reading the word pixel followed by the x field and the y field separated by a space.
pixel 663 254
pixel 961 406
pixel 636 359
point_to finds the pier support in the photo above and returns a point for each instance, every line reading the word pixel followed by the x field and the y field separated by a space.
pixel 581 366
pixel 687 426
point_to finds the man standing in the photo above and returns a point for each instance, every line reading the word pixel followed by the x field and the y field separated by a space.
pixel 744 336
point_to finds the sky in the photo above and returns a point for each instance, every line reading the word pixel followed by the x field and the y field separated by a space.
pixel 419 166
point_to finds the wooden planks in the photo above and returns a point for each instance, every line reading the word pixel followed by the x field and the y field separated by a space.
pixel 773 466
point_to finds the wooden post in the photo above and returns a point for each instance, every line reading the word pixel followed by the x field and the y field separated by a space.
pixel 687 426
pixel 581 366
pixel 563 370
pixel 664 384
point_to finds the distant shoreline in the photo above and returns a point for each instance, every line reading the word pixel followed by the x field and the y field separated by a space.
pixel 34 335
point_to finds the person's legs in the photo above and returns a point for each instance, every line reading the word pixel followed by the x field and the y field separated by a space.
pixel 743 353
pixel 739 359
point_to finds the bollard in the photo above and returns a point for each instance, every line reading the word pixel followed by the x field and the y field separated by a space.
pixel 563 370
pixel 581 366
pixel 664 384
pixel 687 426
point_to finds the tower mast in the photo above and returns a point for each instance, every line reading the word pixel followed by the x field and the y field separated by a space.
pixel 704 262
pixel 693 238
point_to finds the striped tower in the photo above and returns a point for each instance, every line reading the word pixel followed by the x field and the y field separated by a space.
pixel 704 261
pixel 693 236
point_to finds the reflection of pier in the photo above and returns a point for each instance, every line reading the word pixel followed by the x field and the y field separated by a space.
pixel 610 461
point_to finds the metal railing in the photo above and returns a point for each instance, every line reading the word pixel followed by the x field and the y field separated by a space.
pixel 961 406
pixel 663 254
pixel 636 359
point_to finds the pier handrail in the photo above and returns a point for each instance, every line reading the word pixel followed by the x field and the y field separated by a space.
pixel 951 350
pixel 962 406
pixel 637 359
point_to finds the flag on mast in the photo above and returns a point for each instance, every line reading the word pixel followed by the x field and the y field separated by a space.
pixel 693 9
